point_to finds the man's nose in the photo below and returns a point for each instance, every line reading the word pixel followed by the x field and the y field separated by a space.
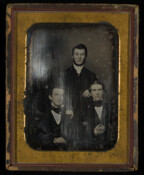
pixel 60 97
pixel 97 92
pixel 79 57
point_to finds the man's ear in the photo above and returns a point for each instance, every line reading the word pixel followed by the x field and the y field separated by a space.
pixel 50 97
pixel 89 92
pixel 103 94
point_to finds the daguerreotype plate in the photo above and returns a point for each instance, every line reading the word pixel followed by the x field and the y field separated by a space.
pixel 72 87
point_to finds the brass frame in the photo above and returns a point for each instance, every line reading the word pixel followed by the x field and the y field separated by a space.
pixel 124 156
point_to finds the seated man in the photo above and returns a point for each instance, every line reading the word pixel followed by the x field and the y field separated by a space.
pixel 46 131
pixel 98 119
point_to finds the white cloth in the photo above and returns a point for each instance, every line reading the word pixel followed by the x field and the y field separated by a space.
pixel 78 68
pixel 99 111
pixel 57 117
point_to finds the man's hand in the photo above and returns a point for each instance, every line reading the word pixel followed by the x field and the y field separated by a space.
pixel 69 112
pixel 59 140
pixel 99 129
pixel 86 93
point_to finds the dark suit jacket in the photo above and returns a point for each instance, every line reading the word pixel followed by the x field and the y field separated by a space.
pixel 102 141
pixel 41 132
pixel 75 85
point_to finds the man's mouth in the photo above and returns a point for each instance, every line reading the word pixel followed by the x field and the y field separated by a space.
pixel 97 96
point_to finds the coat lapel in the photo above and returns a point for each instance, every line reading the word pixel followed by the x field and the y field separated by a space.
pixel 103 117
pixel 96 117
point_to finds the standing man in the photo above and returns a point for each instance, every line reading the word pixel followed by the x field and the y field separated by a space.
pixel 77 82
pixel 99 120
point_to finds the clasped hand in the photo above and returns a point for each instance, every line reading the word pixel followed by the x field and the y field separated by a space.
pixel 99 129
pixel 86 93
pixel 59 140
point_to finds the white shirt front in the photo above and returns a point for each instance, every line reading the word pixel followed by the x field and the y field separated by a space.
pixel 78 68
pixel 57 117
pixel 99 111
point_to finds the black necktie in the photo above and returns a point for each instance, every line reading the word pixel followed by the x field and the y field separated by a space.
pixel 98 103
pixel 57 110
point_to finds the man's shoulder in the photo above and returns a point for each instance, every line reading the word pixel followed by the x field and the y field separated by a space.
pixel 88 71
pixel 45 116
pixel 68 72
pixel 89 102
pixel 107 102
pixel 69 69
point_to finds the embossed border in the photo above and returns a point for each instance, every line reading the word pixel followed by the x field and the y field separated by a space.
pixel 133 80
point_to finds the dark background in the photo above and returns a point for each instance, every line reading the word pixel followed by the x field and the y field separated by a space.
pixel 50 47
pixel 3 4
pixel 49 51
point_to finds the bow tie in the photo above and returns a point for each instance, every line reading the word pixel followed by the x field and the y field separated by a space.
pixel 57 110
pixel 98 103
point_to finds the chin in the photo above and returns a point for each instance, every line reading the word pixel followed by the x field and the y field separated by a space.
pixel 79 63
pixel 57 105
pixel 97 99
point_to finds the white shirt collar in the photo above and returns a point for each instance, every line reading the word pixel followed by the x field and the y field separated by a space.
pixel 55 106
pixel 99 111
pixel 57 117
pixel 78 68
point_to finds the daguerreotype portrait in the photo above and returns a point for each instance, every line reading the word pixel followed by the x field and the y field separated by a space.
pixel 71 95
pixel 72 98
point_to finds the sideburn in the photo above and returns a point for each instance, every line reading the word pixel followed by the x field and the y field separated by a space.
pixel 79 64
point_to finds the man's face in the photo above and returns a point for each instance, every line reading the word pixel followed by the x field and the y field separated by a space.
pixel 79 57
pixel 57 97
pixel 97 92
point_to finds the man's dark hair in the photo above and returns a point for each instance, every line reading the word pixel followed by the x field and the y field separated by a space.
pixel 97 82
pixel 80 46
pixel 58 86
pixel 56 82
